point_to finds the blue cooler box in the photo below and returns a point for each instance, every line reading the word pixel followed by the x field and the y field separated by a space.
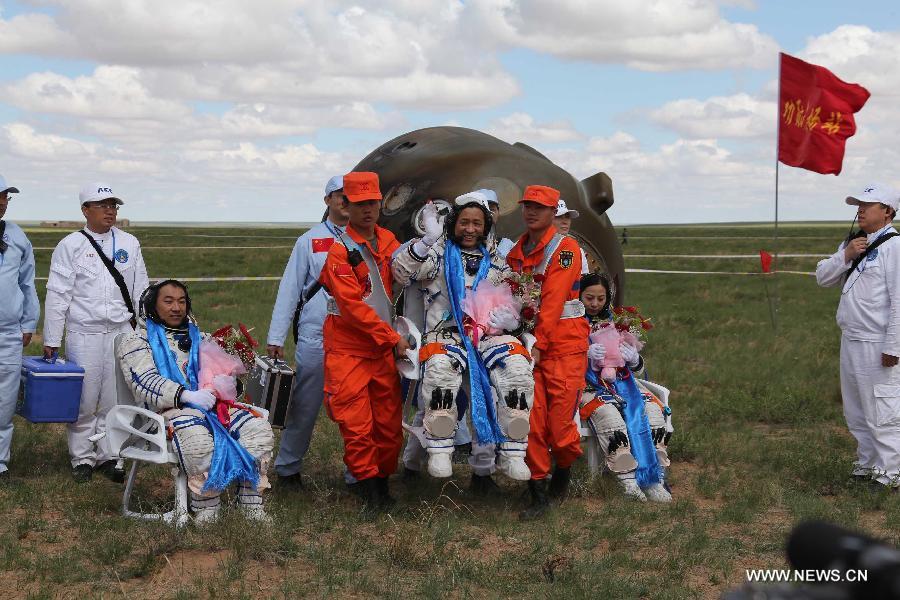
pixel 51 391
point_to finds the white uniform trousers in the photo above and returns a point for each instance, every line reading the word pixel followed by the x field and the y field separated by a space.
pixel 93 352
pixel 10 372
pixel 871 395
pixel 306 400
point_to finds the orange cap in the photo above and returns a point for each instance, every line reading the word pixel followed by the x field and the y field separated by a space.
pixel 543 195
pixel 361 185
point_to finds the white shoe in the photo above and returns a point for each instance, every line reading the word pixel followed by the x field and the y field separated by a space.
pixel 440 464
pixel 206 516
pixel 255 512
pixel 632 490
pixel 514 467
pixel 657 493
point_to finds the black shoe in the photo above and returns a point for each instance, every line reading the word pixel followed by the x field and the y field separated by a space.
pixel 385 500
pixel 367 491
pixel 109 470
pixel 410 474
pixel 559 483
pixel 294 481
pixel 484 486
pixel 4 477
pixel 82 473
pixel 357 489
pixel 537 489
pixel 461 454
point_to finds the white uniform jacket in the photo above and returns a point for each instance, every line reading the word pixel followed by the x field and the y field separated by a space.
pixel 869 309
pixel 19 306
pixel 81 294
pixel 428 273
pixel 301 274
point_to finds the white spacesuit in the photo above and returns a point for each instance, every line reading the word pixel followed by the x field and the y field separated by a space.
pixel 420 265
pixel 193 439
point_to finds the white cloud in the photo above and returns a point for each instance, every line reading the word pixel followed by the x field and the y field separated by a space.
pixel 652 35
pixel 34 34
pixel 23 141
pixel 521 127
pixel 858 54
pixel 284 51
pixel 111 92
pixel 737 116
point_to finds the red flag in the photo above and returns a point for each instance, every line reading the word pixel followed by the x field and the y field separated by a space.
pixel 816 116
pixel 765 260
pixel 322 244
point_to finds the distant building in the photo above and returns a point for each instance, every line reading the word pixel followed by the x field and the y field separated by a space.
pixel 121 224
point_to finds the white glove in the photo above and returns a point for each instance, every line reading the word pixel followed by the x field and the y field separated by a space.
pixel 596 352
pixel 503 318
pixel 431 224
pixel 630 354
pixel 202 399
pixel 504 246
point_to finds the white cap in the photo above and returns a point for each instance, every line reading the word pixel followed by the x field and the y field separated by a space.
pixel 491 196
pixel 876 192
pixel 334 184
pixel 479 196
pixel 562 210
pixel 4 187
pixel 95 192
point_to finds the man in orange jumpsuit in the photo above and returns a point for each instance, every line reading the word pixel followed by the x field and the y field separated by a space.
pixel 560 352
pixel 362 387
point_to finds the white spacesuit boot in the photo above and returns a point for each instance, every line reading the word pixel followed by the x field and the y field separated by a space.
pixel 205 508
pixel 251 504
pixel 512 381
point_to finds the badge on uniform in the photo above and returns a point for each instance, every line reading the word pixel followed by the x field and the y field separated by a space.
pixel 322 244
pixel 566 257
pixel 872 255
pixel 121 256
pixel 342 270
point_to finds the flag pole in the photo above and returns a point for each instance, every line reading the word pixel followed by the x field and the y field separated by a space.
pixel 773 304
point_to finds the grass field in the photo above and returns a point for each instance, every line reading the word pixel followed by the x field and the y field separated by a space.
pixel 759 445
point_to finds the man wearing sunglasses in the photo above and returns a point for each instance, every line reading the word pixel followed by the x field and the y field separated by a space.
pixel 96 277
pixel 19 311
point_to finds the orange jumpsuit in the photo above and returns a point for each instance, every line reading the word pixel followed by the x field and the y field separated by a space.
pixel 559 374
pixel 362 387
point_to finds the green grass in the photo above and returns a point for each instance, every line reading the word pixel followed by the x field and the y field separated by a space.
pixel 759 444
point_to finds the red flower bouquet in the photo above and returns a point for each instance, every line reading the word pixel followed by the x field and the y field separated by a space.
pixel 632 325
pixel 526 288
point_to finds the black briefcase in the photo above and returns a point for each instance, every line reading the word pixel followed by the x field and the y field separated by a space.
pixel 269 387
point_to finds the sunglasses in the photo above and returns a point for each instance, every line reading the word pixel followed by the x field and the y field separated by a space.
pixel 103 205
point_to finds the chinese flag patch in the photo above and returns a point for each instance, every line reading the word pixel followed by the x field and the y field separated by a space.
pixel 342 270
pixel 322 244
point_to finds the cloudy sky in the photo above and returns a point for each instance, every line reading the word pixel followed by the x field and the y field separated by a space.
pixel 232 110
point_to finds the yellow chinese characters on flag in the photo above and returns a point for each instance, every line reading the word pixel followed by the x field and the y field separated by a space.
pixel 816 116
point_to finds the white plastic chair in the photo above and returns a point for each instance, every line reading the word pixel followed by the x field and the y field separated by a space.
pixel 139 435
pixel 592 444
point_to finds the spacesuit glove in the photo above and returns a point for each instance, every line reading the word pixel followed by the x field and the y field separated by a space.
pixel 420 248
pixel 202 399
pixel 503 318
pixel 630 354
pixel 596 352
pixel 504 246
pixel 431 225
